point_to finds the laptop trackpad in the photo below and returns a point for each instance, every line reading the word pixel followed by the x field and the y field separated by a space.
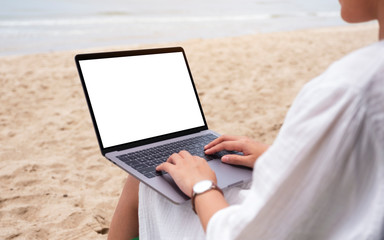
pixel 230 175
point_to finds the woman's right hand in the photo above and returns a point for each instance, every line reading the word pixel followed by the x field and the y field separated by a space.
pixel 251 149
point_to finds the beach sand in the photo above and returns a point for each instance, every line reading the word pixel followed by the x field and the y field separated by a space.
pixel 54 183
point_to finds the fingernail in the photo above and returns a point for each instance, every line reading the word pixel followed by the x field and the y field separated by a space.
pixel 225 158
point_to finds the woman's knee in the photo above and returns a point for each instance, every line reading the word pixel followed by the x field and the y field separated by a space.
pixel 131 190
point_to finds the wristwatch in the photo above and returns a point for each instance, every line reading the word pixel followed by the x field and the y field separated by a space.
pixel 202 187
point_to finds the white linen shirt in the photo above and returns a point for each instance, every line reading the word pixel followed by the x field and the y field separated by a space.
pixel 322 178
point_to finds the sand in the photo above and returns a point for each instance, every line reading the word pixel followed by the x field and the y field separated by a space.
pixel 54 183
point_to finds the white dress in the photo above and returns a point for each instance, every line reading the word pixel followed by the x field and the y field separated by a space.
pixel 323 177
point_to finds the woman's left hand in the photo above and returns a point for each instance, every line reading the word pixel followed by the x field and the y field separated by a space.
pixel 186 170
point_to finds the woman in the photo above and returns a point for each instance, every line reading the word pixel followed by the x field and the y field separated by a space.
pixel 323 177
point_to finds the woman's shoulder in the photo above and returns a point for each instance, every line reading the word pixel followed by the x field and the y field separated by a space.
pixel 363 60
pixel 348 83
pixel 355 71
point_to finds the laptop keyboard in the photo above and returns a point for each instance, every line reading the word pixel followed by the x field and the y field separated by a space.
pixel 145 161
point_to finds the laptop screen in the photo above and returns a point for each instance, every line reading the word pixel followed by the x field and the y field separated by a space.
pixel 140 97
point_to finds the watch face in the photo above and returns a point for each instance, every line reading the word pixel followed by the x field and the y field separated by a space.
pixel 202 186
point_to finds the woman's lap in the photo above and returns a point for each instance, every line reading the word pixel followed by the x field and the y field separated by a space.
pixel 161 219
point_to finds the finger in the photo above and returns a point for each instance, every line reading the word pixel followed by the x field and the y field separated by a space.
pixel 185 154
pixel 220 139
pixel 238 160
pixel 227 145
pixel 166 166
pixel 174 158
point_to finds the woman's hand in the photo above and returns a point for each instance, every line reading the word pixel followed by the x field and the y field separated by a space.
pixel 250 148
pixel 186 170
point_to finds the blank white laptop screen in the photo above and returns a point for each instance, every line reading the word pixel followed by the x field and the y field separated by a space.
pixel 139 97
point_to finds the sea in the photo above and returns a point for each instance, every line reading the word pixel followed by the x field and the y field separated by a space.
pixel 37 26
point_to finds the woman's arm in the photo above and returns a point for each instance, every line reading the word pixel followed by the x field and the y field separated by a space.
pixel 187 170
pixel 207 204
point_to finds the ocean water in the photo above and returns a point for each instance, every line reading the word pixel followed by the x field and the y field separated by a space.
pixel 35 26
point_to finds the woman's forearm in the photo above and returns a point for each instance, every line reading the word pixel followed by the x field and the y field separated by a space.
pixel 207 204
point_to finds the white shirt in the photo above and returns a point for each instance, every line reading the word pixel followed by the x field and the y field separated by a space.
pixel 322 178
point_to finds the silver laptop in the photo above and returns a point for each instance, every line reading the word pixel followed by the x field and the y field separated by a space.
pixel 144 107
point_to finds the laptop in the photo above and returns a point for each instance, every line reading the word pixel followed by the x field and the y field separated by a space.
pixel 144 106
